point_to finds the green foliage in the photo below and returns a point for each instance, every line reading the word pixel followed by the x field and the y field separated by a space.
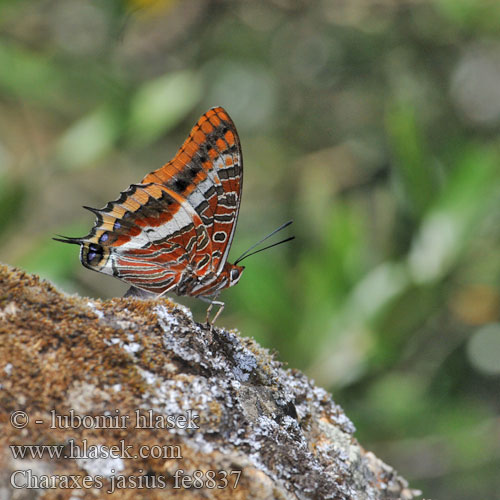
pixel 50 260
pixel 160 104
pixel 90 138
pixel 28 75
pixel 414 166
pixel 12 199
pixel 374 127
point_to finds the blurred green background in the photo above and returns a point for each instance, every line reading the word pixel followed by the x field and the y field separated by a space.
pixel 373 124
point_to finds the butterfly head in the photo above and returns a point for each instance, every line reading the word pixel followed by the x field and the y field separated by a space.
pixel 234 273
pixel 229 276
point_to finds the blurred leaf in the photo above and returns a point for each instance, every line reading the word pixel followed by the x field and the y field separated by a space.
pixel 470 191
pixel 13 195
pixel 159 105
pixel 260 287
pixel 414 167
pixel 29 75
pixel 482 15
pixel 151 7
pixel 89 139
pixel 483 349
pixel 330 271
pixel 397 398
pixel 473 181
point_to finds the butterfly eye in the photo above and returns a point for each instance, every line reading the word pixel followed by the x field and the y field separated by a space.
pixel 234 274
pixel 94 251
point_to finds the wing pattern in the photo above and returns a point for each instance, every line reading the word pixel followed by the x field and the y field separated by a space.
pixel 173 230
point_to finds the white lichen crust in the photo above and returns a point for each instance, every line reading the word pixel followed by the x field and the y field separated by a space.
pixel 61 353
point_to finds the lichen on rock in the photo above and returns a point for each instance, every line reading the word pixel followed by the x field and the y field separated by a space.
pixel 218 402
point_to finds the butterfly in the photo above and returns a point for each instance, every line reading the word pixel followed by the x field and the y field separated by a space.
pixel 172 232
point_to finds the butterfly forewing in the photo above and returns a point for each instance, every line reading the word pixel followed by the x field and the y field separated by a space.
pixel 175 228
pixel 208 171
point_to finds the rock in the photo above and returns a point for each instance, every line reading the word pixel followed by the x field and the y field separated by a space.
pixel 191 407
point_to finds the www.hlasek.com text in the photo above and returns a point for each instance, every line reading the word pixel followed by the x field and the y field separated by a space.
pixel 83 450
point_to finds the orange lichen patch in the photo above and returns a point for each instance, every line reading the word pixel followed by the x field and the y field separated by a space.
pixel 58 353
pixel 61 356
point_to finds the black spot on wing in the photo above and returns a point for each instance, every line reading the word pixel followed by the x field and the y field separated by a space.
pixel 220 236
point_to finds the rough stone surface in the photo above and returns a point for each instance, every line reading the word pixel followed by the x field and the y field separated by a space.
pixel 62 353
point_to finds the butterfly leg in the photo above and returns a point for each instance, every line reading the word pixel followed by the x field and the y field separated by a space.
pixel 221 308
pixel 209 309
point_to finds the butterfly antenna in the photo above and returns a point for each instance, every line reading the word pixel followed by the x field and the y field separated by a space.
pixel 66 239
pixel 247 253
